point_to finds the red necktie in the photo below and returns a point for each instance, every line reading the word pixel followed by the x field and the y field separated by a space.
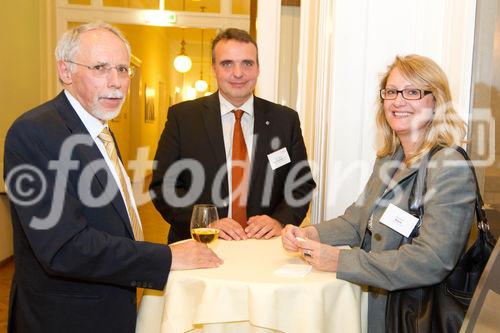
pixel 239 172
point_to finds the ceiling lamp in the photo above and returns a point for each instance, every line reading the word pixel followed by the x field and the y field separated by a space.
pixel 201 85
pixel 209 92
pixel 182 63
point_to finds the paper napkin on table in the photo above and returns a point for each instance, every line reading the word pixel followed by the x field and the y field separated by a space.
pixel 293 270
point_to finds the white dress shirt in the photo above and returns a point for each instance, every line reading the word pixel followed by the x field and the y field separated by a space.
pixel 94 126
pixel 228 120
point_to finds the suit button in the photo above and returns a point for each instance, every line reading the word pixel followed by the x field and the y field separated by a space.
pixel 150 285
pixel 133 283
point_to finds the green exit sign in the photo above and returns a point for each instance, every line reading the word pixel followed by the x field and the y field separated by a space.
pixel 171 17
pixel 162 18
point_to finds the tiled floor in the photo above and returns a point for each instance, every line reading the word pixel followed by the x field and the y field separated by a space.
pixel 155 230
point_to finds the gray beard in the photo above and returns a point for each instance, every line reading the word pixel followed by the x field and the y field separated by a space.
pixel 105 115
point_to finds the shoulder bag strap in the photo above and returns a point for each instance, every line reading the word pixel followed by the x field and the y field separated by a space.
pixel 482 221
pixel 415 201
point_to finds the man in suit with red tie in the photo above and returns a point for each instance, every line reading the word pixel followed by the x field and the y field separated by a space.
pixel 79 252
pixel 242 153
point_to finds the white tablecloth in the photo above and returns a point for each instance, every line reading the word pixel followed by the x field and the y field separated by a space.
pixel 244 295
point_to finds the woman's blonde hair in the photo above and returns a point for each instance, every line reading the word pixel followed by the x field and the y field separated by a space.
pixel 446 127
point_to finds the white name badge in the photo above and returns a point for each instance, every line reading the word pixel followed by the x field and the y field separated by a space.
pixel 278 158
pixel 398 220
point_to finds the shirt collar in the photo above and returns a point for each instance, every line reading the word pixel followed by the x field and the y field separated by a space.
pixel 226 106
pixel 93 125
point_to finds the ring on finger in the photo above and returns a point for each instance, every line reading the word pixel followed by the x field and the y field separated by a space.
pixel 308 253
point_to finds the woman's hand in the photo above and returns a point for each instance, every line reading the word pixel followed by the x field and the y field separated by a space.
pixel 290 233
pixel 321 256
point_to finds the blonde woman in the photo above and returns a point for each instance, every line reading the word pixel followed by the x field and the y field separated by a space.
pixel 414 114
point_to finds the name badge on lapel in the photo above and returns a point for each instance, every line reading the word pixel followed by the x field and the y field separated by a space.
pixel 399 220
pixel 278 158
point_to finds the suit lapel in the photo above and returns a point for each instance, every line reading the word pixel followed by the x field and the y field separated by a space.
pixel 388 178
pixel 116 146
pixel 397 176
pixel 385 170
pixel 210 113
pixel 262 129
pixel 91 153
pixel 213 125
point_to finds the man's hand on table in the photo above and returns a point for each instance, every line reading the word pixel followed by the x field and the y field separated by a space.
pixel 259 226
pixel 191 255
pixel 229 229
pixel 263 226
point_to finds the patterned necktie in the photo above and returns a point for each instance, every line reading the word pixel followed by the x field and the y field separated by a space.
pixel 239 172
pixel 109 144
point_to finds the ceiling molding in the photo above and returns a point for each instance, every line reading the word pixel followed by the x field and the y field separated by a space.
pixel 152 17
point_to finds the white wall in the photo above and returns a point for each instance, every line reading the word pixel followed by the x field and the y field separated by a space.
pixel 268 40
pixel 354 43
pixel 289 43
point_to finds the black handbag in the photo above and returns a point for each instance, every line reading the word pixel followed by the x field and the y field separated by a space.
pixel 440 307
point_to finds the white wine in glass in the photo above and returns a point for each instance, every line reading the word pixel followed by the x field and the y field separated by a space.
pixel 201 218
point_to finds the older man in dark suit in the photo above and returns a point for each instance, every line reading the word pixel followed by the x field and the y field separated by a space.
pixel 78 248
pixel 242 153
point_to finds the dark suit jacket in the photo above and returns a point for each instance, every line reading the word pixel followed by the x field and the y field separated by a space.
pixel 81 274
pixel 194 131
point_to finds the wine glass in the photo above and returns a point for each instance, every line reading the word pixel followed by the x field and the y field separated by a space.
pixel 202 216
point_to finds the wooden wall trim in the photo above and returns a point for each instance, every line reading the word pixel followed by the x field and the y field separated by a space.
pixel 6 261
pixel 253 19
pixel 290 3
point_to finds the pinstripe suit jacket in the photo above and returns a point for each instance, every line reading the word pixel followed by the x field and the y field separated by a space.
pixel 448 214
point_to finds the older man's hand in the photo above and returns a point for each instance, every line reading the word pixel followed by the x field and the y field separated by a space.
pixel 191 255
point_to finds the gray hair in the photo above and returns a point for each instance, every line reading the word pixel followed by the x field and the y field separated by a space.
pixel 69 44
